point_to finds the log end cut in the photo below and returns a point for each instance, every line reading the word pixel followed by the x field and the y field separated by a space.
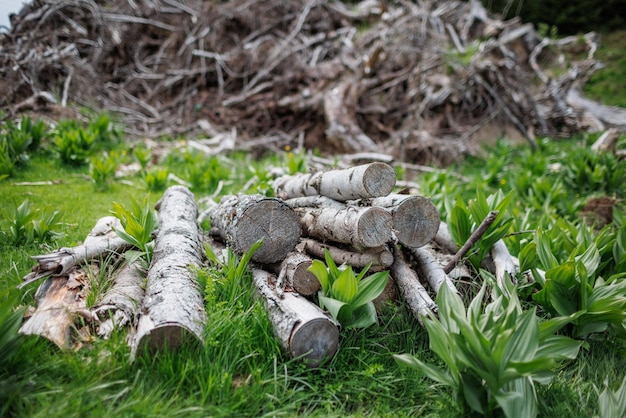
pixel 164 337
pixel 373 228
pixel 379 179
pixel 416 221
pixel 316 340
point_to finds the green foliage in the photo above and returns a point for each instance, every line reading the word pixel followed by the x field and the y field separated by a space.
pixel 18 141
pixel 612 403
pixel 143 155
pixel 156 178
pixel 138 223
pixel 10 340
pixel 99 280
pixel 348 297
pixel 75 143
pixel 296 163
pixel 102 170
pixel 493 354
pixel 204 174
pixel 28 225
pixel 589 172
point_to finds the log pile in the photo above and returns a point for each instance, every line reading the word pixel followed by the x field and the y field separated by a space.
pixel 352 213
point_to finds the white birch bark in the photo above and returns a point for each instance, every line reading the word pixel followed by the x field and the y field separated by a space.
pixel 431 270
pixel 293 274
pixel 377 257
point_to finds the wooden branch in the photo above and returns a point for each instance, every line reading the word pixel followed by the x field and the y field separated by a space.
pixel 361 227
pixel 415 218
pixel 101 241
pixel 473 239
pixel 444 239
pixel 414 293
pixel 304 330
pixel 431 270
pixel 173 307
pixel 606 142
pixel 377 257
pixel 363 181
pixel 293 274
pixel 243 220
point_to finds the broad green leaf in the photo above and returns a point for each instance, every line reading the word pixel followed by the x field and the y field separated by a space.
pixel 440 343
pixel 363 316
pixel 460 225
pixel 319 270
pixel 370 288
pixel 518 398
pixel 544 250
pixel 523 343
pixel 333 306
pixel 474 393
pixel 591 259
pixel 528 256
pixel 333 271
pixel 345 286
pixel 434 372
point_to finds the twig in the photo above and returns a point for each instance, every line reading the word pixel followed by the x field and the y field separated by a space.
pixel 472 240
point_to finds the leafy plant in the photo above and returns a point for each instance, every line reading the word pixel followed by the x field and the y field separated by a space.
pixel 204 174
pixel 348 297
pixel 588 171
pixel 143 156
pixel 10 340
pixel 493 355
pixel 612 403
pixel 28 225
pixel 156 179
pixel 296 163
pixel 102 170
pixel 73 143
pixel 138 223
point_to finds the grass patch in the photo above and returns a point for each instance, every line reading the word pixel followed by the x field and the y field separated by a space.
pixel 602 86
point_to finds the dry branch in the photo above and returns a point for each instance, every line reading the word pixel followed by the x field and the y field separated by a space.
pixel 243 220
pixel 431 270
pixel 473 239
pixel 302 328
pixel 173 307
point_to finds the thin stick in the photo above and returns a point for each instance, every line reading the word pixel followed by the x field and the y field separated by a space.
pixel 473 239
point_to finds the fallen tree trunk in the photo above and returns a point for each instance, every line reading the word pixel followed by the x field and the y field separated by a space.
pixel 414 293
pixel 101 240
pixel 120 305
pixel 303 329
pixel 377 257
pixel 415 218
pixel 359 182
pixel 361 227
pixel 173 307
pixel 242 220
pixel 293 273
pixel 431 270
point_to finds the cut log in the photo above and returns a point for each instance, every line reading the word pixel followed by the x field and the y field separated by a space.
pixel 431 270
pixel 360 182
pixel 377 257
pixel 119 307
pixel 242 220
pixel 606 142
pixel 173 307
pixel 417 298
pixel 361 227
pixel 415 218
pixel 101 241
pixel 293 274
pixel 304 330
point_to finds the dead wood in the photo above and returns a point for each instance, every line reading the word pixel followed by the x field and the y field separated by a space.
pixel 376 257
pixel 472 240
pixel 293 274
pixel 101 242
pixel 428 268
pixel 504 264
pixel 303 329
pixel 362 181
pixel 607 142
pixel 242 220
pixel 173 307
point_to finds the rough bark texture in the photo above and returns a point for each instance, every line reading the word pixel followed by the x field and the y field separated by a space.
pixel 377 257
pixel 101 241
pixel 301 326
pixel 360 227
pixel 293 274
pixel 413 292
pixel 242 220
pixel 415 218
pixel 173 307
pixel 119 306
pixel 431 270
pixel 504 263
pixel 362 181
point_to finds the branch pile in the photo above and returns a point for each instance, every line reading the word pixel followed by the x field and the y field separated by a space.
pixel 417 81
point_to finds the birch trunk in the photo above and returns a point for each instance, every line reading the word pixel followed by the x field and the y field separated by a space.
pixel 293 274
pixel 415 218
pixel 173 307
pixel 360 227
pixel 363 181
pixel 242 220
pixel 377 257
pixel 301 326
pixel 101 242
pixel 414 293
pixel 431 270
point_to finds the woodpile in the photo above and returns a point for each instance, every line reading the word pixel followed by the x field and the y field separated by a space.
pixel 363 223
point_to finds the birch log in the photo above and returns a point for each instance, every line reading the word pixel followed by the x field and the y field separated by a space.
pixel 119 307
pixel 243 220
pixel 361 227
pixel 504 263
pixel 431 270
pixel 377 257
pixel 173 307
pixel 415 218
pixel 293 274
pixel 362 181
pixel 101 241
pixel 301 326
pixel 414 293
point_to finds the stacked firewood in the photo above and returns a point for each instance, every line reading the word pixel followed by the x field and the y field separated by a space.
pixel 352 213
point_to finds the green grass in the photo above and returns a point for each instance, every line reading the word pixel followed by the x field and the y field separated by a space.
pixel 602 85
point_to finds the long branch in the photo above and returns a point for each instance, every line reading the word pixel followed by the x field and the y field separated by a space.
pixel 472 240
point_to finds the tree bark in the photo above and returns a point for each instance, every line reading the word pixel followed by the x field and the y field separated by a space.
pixel 504 263
pixel 120 305
pixel 293 274
pixel 361 227
pixel 302 328
pixel 242 220
pixel 414 293
pixel 359 182
pixel 415 218
pixel 431 270
pixel 377 257
pixel 101 240
pixel 173 307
